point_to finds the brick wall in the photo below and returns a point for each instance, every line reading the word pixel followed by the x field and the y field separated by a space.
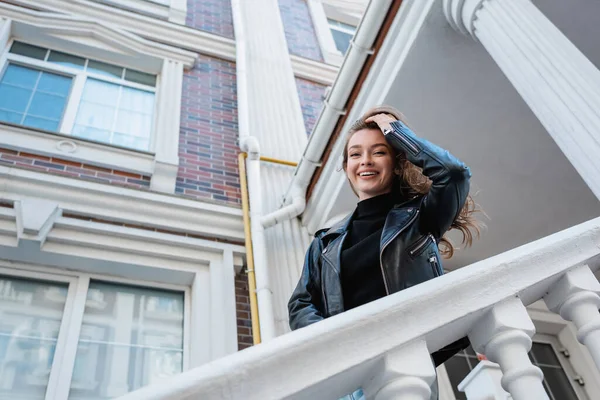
pixel 242 303
pixel 311 96
pixel 72 169
pixel 208 136
pixel 211 16
pixel 299 30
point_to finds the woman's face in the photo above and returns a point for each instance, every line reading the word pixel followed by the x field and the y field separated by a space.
pixel 370 166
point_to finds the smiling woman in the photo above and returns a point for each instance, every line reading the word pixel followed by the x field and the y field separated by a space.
pixel 411 192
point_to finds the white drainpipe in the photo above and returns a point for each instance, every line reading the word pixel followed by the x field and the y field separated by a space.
pixel 361 47
pixel 264 295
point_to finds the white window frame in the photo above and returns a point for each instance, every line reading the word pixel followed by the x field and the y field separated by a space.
pixel 162 161
pixel 320 13
pixel 171 10
pixel 59 382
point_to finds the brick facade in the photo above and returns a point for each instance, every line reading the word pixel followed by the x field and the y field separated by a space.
pixel 311 96
pixel 242 304
pixel 212 16
pixel 299 29
pixel 208 138
pixel 72 169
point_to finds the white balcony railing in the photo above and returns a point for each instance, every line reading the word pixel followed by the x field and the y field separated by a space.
pixel 384 346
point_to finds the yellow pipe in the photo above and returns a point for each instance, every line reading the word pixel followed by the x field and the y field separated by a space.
pixel 248 240
pixel 277 161
pixel 249 253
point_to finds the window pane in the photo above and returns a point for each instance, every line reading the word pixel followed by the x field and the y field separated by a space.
pixel 105 69
pixel 21 76
pixel 12 117
pixel 36 98
pixel 341 39
pixel 14 98
pixel 130 337
pixel 30 316
pixel 140 77
pixel 557 381
pixel 28 50
pixel 56 84
pixel 115 114
pixel 46 105
pixel 544 354
pixel 67 60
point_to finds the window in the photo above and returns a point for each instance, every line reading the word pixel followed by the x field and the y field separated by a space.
pixel 30 316
pixel 342 34
pixel 86 98
pixel 542 354
pixel 129 337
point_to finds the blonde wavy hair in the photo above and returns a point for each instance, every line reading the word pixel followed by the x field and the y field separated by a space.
pixel 414 183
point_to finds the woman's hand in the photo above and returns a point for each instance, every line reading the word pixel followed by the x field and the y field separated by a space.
pixel 382 120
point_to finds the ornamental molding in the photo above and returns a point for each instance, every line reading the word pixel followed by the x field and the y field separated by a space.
pixel 78 28
pixel 314 71
pixel 124 205
pixel 173 35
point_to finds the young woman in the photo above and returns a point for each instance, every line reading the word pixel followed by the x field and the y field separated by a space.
pixel 411 192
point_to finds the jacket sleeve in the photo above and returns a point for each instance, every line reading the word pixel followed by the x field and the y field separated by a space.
pixel 450 178
pixel 305 306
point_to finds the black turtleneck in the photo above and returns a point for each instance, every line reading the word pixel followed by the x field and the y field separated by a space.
pixel 361 274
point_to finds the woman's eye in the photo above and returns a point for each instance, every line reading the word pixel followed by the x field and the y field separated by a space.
pixel 354 155
pixel 379 153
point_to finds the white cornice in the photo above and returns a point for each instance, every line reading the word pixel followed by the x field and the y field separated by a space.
pixel 113 203
pixel 53 23
pixel 168 33
pixel 313 70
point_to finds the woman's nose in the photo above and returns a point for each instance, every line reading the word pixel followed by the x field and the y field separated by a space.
pixel 366 160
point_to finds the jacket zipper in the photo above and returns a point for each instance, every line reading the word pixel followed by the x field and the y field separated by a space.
pixel 406 141
pixel 421 244
pixel 434 264
pixel 385 283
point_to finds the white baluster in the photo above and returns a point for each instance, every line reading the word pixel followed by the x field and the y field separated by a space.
pixel 504 334
pixel 406 373
pixel 575 297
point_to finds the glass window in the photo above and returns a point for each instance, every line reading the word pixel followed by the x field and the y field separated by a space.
pixel 556 381
pixel 130 337
pixel 30 317
pixel 29 50
pixel 32 97
pixel 115 114
pixel 110 109
pixel 342 34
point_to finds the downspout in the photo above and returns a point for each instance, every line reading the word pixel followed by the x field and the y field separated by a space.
pixel 254 315
pixel 264 295
pixel 360 48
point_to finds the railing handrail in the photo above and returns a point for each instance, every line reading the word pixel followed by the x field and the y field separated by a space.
pixel 334 356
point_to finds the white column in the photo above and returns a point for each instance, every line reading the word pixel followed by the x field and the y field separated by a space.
pixel 575 297
pixel 406 373
pixel 560 85
pixel 504 334
pixel 222 307
pixel 268 104
pixel 168 117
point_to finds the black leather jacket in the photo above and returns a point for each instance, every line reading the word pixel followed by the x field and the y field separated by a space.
pixel 408 249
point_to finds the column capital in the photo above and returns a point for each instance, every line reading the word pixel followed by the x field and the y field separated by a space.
pixel 461 14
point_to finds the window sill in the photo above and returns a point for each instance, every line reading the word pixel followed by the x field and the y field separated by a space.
pixel 66 147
